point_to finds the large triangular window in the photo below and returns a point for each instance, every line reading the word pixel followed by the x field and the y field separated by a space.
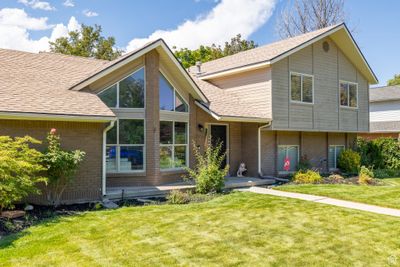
pixel 170 100
pixel 127 93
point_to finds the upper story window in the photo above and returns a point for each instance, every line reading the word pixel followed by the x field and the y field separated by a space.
pixel 348 94
pixel 127 93
pixel 170 100
pixel 301 87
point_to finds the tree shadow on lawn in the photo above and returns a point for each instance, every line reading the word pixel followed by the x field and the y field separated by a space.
pixel 8 240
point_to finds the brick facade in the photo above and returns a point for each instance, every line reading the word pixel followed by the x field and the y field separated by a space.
pixel 74 135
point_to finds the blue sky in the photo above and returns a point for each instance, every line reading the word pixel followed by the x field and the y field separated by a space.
pixel 24 25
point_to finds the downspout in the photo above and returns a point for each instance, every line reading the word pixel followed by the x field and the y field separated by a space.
pixel 103 178
pixel 259 147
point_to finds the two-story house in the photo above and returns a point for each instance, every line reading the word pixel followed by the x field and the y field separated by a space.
pixel 138 117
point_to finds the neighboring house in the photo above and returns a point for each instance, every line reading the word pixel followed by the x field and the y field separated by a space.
pixel 384 112
pixel 138 117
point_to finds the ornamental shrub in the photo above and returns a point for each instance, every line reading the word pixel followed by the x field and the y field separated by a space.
pixel 208 174
pixel 365 176
pixel 61 167
pixel 307 177
pixel 178 197
pixel 349 161
pixel 20 169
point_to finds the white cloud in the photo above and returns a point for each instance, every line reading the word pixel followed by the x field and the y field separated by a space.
pixel 225 20
pixel 15 25
pixel 19 18
pixel 69 3
pixel 89 13
pixel 36 4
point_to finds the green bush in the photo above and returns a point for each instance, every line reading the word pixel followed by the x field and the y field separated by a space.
pixel 207 174
pixel 365 176
pixel 307 177
pixel 20 169
pixel 382 153
pixel 178 197
pixel 349 161
pixel 61 165
pixel 386 173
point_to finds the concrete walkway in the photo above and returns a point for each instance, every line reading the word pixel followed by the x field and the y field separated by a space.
pixel 325 200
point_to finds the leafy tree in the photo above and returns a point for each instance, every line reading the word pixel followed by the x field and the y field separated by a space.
pixel 20 169
pixel 61 167
pixel 302 16
pixel 395 80
pixel 86 42
pixel 207 53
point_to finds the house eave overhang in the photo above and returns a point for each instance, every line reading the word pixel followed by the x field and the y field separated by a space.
pixel 237 70
pixel 118 64
pixel 54 117
pixel 231 118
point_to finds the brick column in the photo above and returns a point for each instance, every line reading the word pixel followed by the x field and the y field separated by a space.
pixel 152 118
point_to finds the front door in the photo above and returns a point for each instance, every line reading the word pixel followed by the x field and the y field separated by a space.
pixel 219 134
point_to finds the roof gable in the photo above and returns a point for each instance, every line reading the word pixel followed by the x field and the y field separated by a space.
pixel 268 54
pixel 166 56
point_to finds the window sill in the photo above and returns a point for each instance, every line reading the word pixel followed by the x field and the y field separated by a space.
pixel 301 103
pixel 350 108
pixel 126 174
pixel 286 172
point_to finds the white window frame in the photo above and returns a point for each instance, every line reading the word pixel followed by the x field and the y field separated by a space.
pixel 118 148
pixel 298 157
pixel 175 92
pixel 117 84
pixel 301 87
pixel 173 145
pixel 335 156
pixel 348 94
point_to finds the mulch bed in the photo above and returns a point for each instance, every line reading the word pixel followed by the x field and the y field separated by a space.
pixel 11 223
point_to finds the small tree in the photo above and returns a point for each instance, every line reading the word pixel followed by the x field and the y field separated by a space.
pixel 20 169
pixel 394 81
pixel 61 167
pixel 208 174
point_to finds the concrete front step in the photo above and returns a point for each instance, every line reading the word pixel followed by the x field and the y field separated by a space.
pixel 162 190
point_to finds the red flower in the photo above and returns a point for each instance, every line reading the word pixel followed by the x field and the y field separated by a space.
pixel 53 131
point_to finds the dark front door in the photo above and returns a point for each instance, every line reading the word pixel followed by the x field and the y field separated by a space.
pixel 219 134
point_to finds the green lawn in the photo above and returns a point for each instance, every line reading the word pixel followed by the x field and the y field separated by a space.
pixel 386 195
pixel 232 230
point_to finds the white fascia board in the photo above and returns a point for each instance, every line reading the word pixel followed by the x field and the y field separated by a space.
pixel 116 66
pixel 53 117
pixel 235 71
pixel 184 73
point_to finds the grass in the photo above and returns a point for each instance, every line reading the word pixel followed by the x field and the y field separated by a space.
pixel 232 230
pixel 385 195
